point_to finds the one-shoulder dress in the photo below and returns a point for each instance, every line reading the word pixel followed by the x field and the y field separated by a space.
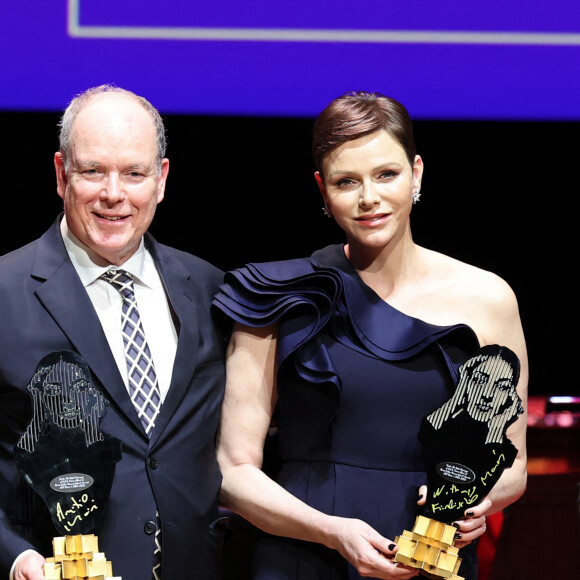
pixel 355 379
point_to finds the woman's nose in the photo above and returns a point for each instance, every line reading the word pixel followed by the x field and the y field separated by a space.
pixel 488 392
pixel 369 196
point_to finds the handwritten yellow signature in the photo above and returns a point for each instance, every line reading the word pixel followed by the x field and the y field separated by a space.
pixel 76 512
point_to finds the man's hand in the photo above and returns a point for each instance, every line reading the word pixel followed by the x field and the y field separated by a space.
pixel 29 567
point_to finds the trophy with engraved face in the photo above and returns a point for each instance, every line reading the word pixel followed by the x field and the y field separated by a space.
pixel 69 462
pixel 465 449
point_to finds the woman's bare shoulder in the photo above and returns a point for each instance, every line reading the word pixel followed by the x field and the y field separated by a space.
pixel 461 279
pixel 458 292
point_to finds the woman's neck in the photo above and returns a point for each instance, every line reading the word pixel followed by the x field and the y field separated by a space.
pixel 385 269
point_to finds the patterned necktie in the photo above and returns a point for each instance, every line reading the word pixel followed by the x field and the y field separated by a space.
pixel 143 387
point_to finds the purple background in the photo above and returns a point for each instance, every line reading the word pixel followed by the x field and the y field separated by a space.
pixel 42 67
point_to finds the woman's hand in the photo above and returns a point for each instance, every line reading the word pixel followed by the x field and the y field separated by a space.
pixel 474 524
pixel 369 552
pixel 469 528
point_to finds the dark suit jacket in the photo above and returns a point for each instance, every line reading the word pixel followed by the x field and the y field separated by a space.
pixel 44 308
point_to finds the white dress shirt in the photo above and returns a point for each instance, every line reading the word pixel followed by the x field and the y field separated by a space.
pixel 151 301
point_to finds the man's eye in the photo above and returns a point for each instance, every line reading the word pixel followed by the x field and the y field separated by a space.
pixel 91 173
pixel 135 176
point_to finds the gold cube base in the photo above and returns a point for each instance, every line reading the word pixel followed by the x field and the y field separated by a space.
pixel 78 558
pixel 429 547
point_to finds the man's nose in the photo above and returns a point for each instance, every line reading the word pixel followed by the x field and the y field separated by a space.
pixel 113 189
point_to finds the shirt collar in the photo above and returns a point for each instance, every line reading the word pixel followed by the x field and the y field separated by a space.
pixel 140 264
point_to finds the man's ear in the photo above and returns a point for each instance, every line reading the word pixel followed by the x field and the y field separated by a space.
pixel 59 167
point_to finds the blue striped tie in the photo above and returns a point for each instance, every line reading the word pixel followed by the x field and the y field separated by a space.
pixel 143 387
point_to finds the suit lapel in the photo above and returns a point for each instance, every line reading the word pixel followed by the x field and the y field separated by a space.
pixel 183 301
pixel 64 296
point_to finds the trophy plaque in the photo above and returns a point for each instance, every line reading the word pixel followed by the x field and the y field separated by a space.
pixel 465 449
pixel 70 463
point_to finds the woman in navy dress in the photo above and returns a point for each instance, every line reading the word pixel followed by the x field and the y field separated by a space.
pixel 344 353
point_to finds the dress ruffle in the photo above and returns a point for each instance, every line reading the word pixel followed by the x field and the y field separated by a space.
pixel 305 295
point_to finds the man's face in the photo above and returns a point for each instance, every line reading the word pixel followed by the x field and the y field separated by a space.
pixel 112 185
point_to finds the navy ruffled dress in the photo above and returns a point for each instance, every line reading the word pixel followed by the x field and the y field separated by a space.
pixel 355 379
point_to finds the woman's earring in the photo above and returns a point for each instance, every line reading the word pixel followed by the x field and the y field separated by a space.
pixel 416 195
pixel 326 211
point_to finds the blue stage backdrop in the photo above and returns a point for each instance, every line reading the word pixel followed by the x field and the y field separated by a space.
pixel 445 59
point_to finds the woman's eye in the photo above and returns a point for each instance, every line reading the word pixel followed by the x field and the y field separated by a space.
pixel 79 385
pixel 387 174
pixel 479 378
pixel 344 182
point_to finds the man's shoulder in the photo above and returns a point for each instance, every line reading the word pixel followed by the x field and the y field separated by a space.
pixel 48 243
pixel 202 272
pixel 18 258
pixel 188 259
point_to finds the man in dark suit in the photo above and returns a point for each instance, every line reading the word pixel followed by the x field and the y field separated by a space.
pixel 111 174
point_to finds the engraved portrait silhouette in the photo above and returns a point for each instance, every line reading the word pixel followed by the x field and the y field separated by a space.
pixel 62 394
pixel 486 391
pixel 63 453
pixel 464 441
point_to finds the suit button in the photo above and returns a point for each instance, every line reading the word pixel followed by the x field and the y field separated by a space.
pixel 153 463
pixel 150 528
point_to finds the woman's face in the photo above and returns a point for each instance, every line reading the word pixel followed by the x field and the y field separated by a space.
pixel 490 388
pixel 368 185
pixel 67 395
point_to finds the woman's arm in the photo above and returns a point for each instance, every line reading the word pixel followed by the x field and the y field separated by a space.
pixel 506 329
pixel 246 415
pixel 500 323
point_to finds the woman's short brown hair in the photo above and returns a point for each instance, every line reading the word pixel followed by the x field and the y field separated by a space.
pixel 356 114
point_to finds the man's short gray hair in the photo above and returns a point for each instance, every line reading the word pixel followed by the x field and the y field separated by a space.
pixel 70 114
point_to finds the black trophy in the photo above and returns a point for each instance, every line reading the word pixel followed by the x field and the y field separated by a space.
pixel 69 462
pixel 465 450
